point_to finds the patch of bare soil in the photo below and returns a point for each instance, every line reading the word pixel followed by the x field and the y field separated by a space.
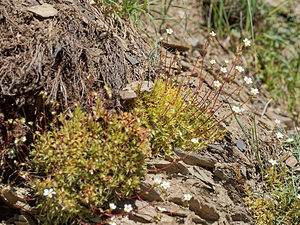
pixel 81 47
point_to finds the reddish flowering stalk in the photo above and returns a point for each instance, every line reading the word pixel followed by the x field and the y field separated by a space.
pixel 218 122
pixel 219 106
pixel 227 77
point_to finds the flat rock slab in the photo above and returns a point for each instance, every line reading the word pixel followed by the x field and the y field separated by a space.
pixel 45 10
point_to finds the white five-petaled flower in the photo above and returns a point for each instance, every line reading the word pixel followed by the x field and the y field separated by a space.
pixel 195 140
pixel 212 61
pixel 236 109
pixel 127 208
pixel 226 61
pixel 298 196
pixel 239 68
pixel 217 83
pixel 273 162
pixel 165 184
pixel 212 34
pixel 277 122
pixel 248 80
pixel 187 197
pixel 112 221
pixel 279 135
pixel 169 31
pixel 161 209
pixel 254 91
pixel 247 42
pixel 112 206
pixel 157 181
pixel 23 139
pixel 289 140
pixel 49 192
pixel 223 70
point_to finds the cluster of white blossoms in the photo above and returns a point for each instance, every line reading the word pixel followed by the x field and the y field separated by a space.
pixel 162 184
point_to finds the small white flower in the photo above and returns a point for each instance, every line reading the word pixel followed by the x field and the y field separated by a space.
pixel 247 42
pixel 254 91
pixel 187 197
pixel 157 181
pixel 277 122
pixel 289 140
pixel 236 109
pixel 217 83
pixel 212 61
pixel 290 78
pixel 11 153
pixel 112 221
pixel 248 80
pixel 127 208
pixel 226 62
pixel 112 206
pixel 161 209
pixel 169 31
pixel 273 162
pixel 23 139
pixel 223 70
pixel 49 192
pixel 239 68
pixel 165 184
pixel 298 196
pixel 279 135
pixel 212 34
pixel 195 140
pixel 16 140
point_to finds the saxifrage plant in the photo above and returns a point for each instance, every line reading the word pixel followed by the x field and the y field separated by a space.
pixel 83 161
